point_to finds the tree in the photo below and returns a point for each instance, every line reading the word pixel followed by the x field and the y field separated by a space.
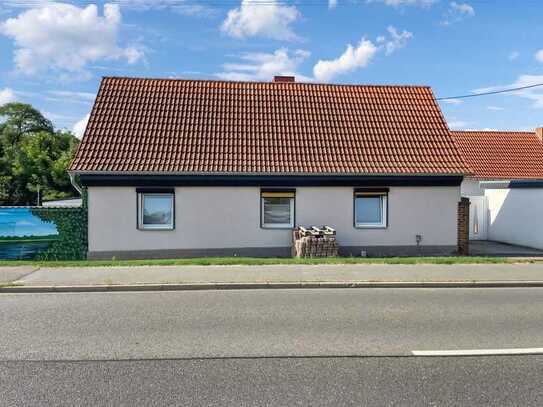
pixel 22 119
pixel 33 156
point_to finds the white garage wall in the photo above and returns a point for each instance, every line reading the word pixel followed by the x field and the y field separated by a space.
pixel 516 216
pixel 229 217
pixel 470 187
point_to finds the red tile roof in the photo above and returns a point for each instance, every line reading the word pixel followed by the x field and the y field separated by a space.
pixel 501 154
pixel 201 126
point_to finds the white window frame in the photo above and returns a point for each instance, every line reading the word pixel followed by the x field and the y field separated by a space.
pixel 384 210
pixel 289 225
pixel 141 201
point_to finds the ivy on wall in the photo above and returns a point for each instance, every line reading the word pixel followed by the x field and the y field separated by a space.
pixel 72 224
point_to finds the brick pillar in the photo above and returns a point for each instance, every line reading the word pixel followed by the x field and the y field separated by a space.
pixel 463 227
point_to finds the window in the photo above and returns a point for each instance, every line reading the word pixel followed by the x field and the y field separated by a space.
pixel 156 210
pixel 370 209
pixel 277 209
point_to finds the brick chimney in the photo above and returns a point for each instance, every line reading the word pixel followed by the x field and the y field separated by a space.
pixel 539 133
pixel 284 79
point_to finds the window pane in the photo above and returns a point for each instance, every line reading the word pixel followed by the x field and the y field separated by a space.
pixel 157 210
pixel 368 209
pixel 277 211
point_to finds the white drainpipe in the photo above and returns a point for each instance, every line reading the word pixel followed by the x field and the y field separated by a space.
pixel 74 184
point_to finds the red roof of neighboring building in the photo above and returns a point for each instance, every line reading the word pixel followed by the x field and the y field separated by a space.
pixel 202 126
pixel 501 154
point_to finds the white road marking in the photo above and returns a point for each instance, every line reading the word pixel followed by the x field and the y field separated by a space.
pixel 478 352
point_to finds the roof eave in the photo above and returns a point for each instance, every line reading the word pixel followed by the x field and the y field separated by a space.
pixel 298 174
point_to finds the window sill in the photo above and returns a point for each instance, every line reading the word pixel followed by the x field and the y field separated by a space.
pixel 143 229
pixel 371 227
pixel 269 227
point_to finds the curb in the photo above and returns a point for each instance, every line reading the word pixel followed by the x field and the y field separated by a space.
pixel 279 285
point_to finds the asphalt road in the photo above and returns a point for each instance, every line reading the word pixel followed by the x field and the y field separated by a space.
pixel 257 323
pixel 270 347
pixel 489 381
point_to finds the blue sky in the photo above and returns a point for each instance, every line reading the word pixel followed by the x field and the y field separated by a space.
pixel 21 222
pixel 53 54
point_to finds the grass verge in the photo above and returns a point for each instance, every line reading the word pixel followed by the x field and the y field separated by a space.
pixel 254 261
pixel 6 285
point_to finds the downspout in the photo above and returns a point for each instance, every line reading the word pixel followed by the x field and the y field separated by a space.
pixel 75 184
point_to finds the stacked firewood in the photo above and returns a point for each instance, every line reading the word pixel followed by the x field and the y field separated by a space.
pixel 314 242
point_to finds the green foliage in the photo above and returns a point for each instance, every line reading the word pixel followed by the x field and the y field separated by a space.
pixel 33 156
pixel 71 223
pixel 22 119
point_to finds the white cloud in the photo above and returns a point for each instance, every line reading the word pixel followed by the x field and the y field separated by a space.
pixel 23 3
pixel 265 18
pixel 65 38
pixel 495 108
pixel 87 96
pixel 483 129
pixel 457 12
pixel 84 98
pixel 264 66
pixel 513 55
pixel 397 40
pixel 7 96
pixel 457 124
pixel 534 94
pixel 453 101
pixel 332 3
pixel 350 60
pixel 359 57
pixel 184 7
pixel 401 3
pixel 539 55
pixel 80 126
pixel 463 8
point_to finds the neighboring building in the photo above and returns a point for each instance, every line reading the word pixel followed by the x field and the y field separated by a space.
pixel 504 186
pixel 515 212
pixel 499 156
pixel 195 167
pixel 68 202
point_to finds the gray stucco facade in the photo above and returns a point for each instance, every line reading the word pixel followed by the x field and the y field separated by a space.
pixel 226 221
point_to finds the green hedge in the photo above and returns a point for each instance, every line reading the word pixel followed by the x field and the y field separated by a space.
pixel 72 232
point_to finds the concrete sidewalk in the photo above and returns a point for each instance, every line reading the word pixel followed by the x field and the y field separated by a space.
pixel 283 276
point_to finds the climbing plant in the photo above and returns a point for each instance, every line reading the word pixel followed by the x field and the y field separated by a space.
pixel 72 231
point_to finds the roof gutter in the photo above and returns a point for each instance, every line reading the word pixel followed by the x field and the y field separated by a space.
pixel 262 180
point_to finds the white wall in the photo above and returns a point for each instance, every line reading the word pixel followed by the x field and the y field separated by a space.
pixel 470 187
pixel 516 216
pixel 229 217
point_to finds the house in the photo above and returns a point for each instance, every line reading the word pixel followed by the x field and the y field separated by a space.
pixel 199 168
pixel 504 186
pixel 499 156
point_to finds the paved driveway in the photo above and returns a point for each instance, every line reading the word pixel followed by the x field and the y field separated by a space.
pixel 490 248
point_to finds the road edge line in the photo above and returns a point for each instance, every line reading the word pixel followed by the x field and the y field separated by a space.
pixel 478 352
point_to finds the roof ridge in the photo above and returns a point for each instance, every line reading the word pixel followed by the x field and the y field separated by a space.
pixel 269 82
